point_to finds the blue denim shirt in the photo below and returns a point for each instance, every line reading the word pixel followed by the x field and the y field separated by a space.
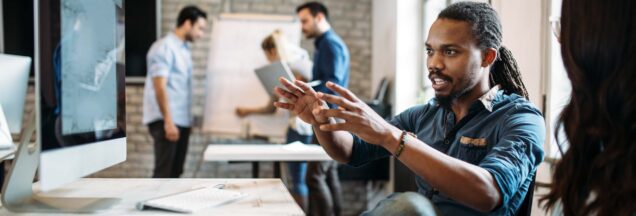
pixel 503 134
pixel 169 57
pixel 331 61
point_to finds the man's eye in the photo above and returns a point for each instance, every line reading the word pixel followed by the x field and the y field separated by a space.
pixel 429 51
pixel 450 52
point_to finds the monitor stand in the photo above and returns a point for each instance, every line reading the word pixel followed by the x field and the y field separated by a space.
pixel 17 191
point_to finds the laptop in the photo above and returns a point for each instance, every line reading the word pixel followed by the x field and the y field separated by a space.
pixel 269 74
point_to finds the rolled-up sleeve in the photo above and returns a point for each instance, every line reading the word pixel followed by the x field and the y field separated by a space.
pixel 363 152
pixel 159 61
pixel 518 152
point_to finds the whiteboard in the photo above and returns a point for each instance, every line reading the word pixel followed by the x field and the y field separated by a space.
pixel 234 53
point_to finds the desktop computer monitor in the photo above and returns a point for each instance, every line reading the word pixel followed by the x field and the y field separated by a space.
pixel 81 89
pixel 79 104
pixel 15 74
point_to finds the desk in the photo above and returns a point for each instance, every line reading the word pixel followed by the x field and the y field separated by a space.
pixel 263 152
pixel 265 196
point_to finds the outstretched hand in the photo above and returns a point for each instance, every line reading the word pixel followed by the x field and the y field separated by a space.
pixel 359 118
pixel 302 100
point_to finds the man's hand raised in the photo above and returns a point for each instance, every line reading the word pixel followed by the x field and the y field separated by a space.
pixel 302 100
pixel 359 118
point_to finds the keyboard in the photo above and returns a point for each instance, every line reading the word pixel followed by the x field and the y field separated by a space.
pixel 192 200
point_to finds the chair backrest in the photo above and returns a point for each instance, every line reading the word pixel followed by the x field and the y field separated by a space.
pixel 526 206
pixel 382 89
pixel 379 103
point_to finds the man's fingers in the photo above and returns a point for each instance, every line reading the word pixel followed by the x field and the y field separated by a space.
pixel 336 113
pixel 342 91
pixel 285 94
pixel 340 101
pixel 335 127
pixel 282 105
pixel 305 87
pixel 292 88
pixel 172 137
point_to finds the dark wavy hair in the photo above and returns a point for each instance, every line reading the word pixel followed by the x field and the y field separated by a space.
pixel 597 173
pixel 314 8
pixel 192 13
pixel 486 29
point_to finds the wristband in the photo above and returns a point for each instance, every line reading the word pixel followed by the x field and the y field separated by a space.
pixel 400 148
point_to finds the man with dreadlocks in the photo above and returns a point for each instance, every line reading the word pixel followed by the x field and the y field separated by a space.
pixel 475 147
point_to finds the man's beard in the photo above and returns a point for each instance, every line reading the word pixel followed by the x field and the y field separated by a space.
pixel 189 38
pixel 310 35
pixel 313 33
pixel 447 101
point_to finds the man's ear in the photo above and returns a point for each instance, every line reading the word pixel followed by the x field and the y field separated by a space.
pixel 187 24
pixel 489 57
pixel 319 17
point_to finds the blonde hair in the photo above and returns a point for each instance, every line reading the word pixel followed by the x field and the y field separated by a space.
pixel 275 40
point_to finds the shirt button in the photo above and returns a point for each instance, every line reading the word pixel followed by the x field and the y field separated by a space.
pixel 446 142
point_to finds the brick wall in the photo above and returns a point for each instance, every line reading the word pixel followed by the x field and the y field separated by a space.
pixel 351 19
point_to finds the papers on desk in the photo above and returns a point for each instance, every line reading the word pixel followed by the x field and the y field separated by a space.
pixel 296 146
pixel 265 152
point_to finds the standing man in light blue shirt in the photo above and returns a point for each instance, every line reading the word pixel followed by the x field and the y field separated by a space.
pixel 168 92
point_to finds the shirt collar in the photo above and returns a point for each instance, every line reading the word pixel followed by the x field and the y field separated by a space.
pixel 178 41
pixel 321 37
pixel 487 99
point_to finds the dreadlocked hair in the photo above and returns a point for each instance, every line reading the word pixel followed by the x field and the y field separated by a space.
pixel 506 73
pixel 486 29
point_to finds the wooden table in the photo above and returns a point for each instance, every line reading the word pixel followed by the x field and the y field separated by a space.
pixel 265 196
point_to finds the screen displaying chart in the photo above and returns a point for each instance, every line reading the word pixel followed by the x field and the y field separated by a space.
pixel 88 50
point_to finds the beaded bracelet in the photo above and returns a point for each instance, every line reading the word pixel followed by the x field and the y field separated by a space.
pixel 398 152
pixel 401 146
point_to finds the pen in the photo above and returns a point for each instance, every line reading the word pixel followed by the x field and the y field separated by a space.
pixel 314 83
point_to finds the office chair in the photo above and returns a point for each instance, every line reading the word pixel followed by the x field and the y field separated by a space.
pixel 379 103
pixel 380 93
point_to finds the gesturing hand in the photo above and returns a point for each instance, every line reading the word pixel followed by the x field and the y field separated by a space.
pixel 358 117
pixel 302 101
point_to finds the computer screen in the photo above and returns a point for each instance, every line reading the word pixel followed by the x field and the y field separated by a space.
pixel 81 101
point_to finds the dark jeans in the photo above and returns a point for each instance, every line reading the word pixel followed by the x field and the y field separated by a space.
pixel 169 156
pixel 325 194
pixel 297 170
